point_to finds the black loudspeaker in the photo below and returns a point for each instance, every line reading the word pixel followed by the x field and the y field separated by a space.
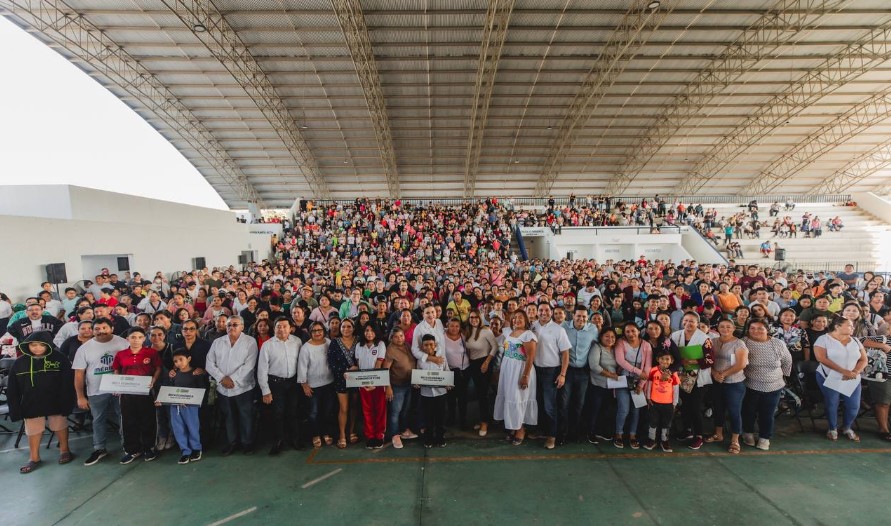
pixel 242 259
pixel 55 273
pixel 198 263
pixel 780 254
pixel 303 205
pixel 123 263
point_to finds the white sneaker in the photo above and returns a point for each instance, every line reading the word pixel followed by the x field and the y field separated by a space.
pixel 763 444
pixel 408 435
pixel 749 439
pixel 397 442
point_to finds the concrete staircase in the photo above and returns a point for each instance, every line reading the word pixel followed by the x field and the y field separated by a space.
pixel 865 240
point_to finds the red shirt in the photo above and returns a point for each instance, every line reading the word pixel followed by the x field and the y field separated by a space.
pixel 142 363
pixel 662 392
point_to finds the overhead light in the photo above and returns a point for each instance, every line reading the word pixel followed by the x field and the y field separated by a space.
pixel 346 162
pixel 304 127
pixel 654 5
pixel 550 127
pixel 516 162
pixel 200 28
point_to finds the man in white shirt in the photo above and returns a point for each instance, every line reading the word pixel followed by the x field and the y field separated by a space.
pixel 762 298
pixel 277 376
pixel 92 360
pixel 232 362
pixel 585 295
pixel 551 362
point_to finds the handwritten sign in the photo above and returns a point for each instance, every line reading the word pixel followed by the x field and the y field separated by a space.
pixel 373 378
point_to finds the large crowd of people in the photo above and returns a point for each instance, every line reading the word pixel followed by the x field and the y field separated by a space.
pixel 634 354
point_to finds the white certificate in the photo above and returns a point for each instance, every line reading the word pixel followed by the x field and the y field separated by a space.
pixel 639 399
pixel 432 378
pixel 180 395
pixel 124 384
pixel 704 377
pixel 835 382
pixel 619 383
pixel 372 378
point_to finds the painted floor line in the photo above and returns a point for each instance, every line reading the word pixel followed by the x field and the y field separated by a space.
pixel 594 456
pixel 43 447
pixel 320 479
pixel 233 517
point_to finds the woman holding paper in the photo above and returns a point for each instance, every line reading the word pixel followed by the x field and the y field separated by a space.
pixel 731 357
pixel 602 362
pixel 634 357
pixel 697 356
pixel 842 359
pixel 769 362
pixel 342 358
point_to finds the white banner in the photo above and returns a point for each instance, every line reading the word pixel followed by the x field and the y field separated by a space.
pixel 123 384
pixel 180 395
pixel 432 378
pixel 373 378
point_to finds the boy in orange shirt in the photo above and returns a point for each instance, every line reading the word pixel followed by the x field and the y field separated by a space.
pixel 662 397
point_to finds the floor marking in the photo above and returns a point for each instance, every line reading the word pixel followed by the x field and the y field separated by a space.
pixel 42 446
pixel 595 456
pixel 320 479
pixel 233 517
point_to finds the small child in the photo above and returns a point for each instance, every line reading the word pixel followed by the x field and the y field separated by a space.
pixel 41 389
pixel 138 411
pixel 370 354
pixel 662 394
pixel 433 401
pixel 184 417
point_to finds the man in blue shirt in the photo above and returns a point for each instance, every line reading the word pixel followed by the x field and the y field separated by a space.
pixel 570 400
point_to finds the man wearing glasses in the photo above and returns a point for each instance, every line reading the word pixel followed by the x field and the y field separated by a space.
pixel 232 362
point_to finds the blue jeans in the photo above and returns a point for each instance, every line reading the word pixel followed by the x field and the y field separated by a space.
pixel 396 413
pixel 321 411
pixel 185 425
pixel 832 398
pixel 624 408
pixel 728 400
pixel 546 378
pixel 102 407
pixel 238 411
pixel 763 406
pixel 571 400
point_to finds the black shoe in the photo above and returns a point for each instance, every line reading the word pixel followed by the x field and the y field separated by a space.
pixel 369 444
pixel 428 445
pixel 95 457
pixel 592 439
pixel 378 444
pixel 195 456
pixel 441 443
pixel 185 459
pixel 275 450
pixel 228 450
pixel 249 450
pixel 150 455
pixel 130 457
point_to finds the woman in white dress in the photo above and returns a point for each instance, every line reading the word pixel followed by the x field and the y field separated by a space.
pixel 515 403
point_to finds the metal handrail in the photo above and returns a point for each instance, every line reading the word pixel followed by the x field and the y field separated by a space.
pixel 669 199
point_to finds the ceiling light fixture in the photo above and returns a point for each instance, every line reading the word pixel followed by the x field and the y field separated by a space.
pixel 198 27
pixel 654 5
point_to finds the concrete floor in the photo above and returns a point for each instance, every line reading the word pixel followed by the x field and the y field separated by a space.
pixel 804 479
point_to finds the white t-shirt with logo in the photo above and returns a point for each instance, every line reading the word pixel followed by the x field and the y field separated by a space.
pixel 95 359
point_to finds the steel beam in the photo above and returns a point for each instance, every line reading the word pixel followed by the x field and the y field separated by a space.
pixel 775 28
pixel 55 20
pixel 857 58
pixel 622 44
pixel 355 32
pixel 494 33
pixel 851 124
pixel 212 29
pixel 857 169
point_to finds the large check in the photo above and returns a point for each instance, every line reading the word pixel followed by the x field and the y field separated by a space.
pixel 180 395
pixel 373 378
pixel 123 384
pixel 432 378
